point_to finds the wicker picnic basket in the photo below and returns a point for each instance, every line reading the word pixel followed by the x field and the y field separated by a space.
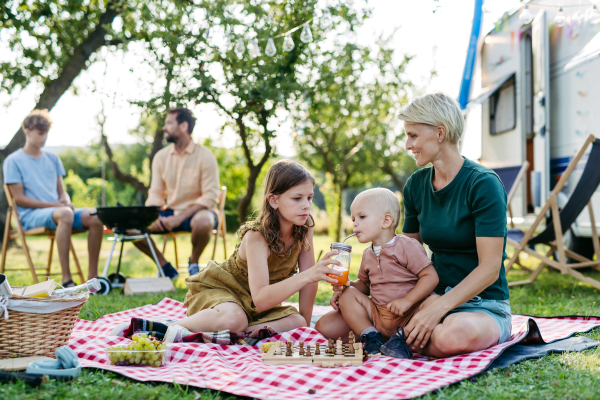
pixel 29 334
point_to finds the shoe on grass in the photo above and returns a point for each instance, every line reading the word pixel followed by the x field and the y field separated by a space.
pixel 396 347
pixel 193 268
pixel 170 272
pixel 372 342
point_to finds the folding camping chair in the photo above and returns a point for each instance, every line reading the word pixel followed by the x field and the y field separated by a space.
pixel 511 177
pixel 21 234
pixel 552 236
pixel 219 232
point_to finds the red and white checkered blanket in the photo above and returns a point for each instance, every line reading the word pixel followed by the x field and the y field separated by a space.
pixel 239 369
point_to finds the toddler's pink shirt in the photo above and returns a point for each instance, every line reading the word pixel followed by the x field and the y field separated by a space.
pixel 396 271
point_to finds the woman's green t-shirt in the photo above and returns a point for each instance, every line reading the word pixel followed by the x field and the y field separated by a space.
pixel 449 220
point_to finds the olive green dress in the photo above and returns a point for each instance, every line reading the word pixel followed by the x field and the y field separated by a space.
pixel 228 282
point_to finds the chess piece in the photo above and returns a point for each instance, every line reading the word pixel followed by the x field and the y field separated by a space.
pixel 330 349
pixel 288 351
pixel 339 347
pixel 301 352
pixel 317 349
pixel 351 343
pixel 277 348
pixel 359 349
pixel 308 353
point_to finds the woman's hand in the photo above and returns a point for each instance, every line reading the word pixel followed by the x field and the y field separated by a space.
pixel 419 329
pixel 320 270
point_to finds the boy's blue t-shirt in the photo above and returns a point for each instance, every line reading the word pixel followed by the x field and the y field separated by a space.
pixel 38 175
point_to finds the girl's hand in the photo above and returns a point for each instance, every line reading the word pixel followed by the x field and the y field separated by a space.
pixel 337 288
pixel 419 329
pixel 320 270
pixel 334 300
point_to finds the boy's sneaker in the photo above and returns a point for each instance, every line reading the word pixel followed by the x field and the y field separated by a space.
pixel 372 342
pixel 193 268
pixel 396 347
pixel 170 272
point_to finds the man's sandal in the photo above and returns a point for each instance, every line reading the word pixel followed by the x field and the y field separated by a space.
pixel 69 283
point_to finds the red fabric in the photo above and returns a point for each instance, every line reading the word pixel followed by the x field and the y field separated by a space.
pixel 239 369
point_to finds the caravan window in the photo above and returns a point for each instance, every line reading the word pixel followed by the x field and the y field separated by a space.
pixel 503 112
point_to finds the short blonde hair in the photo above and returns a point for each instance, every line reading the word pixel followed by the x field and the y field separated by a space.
pixel 38 119
pixel 436 109
pixel 385 200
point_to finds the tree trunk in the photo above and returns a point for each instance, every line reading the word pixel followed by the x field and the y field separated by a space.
pixel 244 202
pixel 53 90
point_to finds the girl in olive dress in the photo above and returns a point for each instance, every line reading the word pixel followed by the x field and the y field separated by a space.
pixel 274 260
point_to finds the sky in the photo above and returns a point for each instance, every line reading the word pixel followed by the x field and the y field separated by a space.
pixel 437 40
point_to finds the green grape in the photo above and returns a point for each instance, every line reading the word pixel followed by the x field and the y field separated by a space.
pixel 135 338
pixel 143 335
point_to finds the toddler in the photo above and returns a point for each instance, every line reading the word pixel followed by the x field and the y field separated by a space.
pixel 395 271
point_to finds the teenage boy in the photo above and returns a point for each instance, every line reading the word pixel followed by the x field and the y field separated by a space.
pixel 35 180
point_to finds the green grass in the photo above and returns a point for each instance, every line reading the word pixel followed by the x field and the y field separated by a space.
pixel 564 376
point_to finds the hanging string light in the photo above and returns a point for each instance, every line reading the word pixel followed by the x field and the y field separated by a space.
pixel 593 15
pixel 288 42
pixel 306 35
pixel 526 17
pixel 270 50
pixel 560 19
pixel 253 48
pixel 239 48
pixel 326 21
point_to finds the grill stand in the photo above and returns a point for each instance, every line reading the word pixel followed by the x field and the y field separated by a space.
pixel 121 237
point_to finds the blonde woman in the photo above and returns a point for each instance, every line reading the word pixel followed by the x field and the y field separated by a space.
pixel 458 208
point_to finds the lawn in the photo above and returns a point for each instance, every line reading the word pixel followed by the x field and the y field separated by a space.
pixel 568 376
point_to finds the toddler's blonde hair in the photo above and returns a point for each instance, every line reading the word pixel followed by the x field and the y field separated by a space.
pixel 385 200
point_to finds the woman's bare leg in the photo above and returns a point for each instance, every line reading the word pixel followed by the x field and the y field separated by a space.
pixel 461 333
pixel 223 316
pixel 332 325
pixel 282 325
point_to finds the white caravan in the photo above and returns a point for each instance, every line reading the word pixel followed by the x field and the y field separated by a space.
pixel 536 97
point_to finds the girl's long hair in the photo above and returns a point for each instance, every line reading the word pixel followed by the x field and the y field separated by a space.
pixel 282 176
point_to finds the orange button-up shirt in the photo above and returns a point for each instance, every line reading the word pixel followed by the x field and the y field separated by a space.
pixel 191 177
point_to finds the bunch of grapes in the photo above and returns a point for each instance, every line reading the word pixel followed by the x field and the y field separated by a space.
pixel 143 350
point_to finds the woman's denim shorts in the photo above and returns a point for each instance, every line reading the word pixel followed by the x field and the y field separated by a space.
pixel 499 310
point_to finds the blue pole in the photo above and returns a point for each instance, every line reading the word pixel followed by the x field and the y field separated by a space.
pixel 465 86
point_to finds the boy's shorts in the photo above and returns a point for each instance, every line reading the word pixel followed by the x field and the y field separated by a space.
pixel 42 217
pixel 386 322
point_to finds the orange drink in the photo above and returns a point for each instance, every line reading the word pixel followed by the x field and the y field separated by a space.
pixel 341 280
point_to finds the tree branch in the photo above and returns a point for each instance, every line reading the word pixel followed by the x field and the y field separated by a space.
pixel 120 175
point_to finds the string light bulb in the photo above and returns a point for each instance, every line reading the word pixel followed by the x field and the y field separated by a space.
pixel 239 48
pixel 326 21
pixel 560 18
pixel 526 17
pixel 593 15
pixel 270 50
pixel 288 42
pixel 306 35
pixel 253 48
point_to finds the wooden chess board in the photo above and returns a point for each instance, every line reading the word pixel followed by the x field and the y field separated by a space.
pixel 346 359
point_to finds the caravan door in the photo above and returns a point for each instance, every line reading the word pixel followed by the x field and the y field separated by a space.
pixel 540 177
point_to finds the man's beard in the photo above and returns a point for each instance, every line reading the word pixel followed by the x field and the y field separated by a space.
pixel 170 139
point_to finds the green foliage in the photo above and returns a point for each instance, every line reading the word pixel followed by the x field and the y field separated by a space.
pixel 345 120
pixel 43 35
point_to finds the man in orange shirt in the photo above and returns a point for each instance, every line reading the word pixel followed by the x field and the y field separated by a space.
pixel 186 175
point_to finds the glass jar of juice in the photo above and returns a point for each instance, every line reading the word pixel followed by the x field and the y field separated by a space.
pixel 343 257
